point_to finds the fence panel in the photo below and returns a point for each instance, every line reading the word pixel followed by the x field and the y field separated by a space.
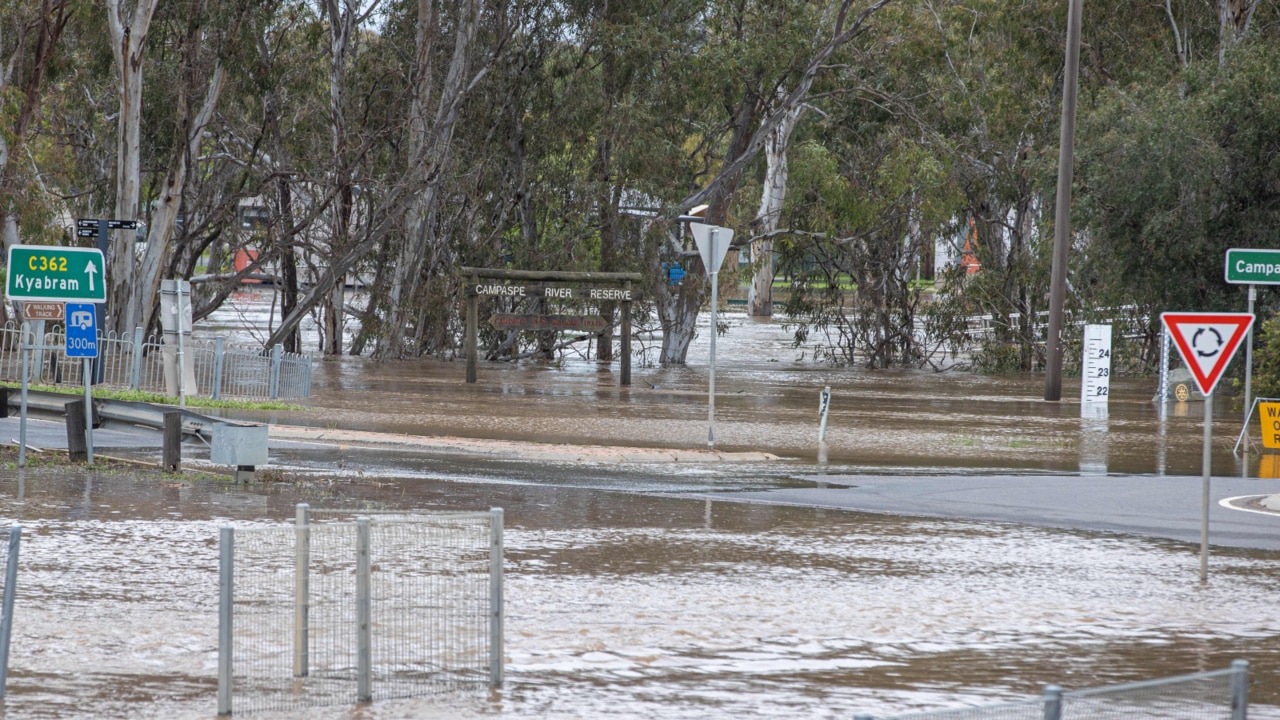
pixel 425 586
pixel 1213 695
pixel 1205 696
pixel 127 362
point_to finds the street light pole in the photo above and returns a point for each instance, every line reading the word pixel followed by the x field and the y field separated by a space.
pixel 1062 213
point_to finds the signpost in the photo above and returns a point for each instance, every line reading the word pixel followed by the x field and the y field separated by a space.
pixel 1206 342
pixel 1251 267
pixel 713 244
pixel 45 273
pixel 82 342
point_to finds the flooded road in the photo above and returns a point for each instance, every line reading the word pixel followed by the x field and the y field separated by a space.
pixel 644 606
pixel 767 400
pixel 625 597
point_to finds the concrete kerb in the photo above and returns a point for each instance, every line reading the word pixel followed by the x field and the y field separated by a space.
pixel 513 449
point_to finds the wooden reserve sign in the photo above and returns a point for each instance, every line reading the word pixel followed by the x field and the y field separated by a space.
pixel 543 286
pixel 553 293
pixel 514 321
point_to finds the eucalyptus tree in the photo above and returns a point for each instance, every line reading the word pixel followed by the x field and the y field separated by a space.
pixel 29 36
pixel 768 97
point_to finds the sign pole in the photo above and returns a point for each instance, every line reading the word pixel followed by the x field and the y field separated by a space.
pixel 1206 342
pixel 711 404
pixel 88 412
pixel 1248 358
pixel 26 370
pixel 1206 462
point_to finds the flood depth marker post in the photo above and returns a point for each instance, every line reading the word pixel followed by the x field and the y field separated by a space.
pixel 713 244
pixel 1206 342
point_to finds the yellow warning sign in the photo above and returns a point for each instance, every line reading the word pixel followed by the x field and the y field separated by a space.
pixel 1269 416
pixel 1269 466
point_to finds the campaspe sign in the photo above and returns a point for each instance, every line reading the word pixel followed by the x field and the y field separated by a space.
pixel 550 292
pixel 1253 267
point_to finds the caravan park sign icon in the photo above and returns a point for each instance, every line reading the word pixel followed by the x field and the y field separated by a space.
pixel 1206 342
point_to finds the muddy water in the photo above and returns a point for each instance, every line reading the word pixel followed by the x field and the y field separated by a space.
pixel 767 399
pixel 643 606
pixel 625 602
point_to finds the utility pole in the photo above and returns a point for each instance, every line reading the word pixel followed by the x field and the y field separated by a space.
pixel 1062 216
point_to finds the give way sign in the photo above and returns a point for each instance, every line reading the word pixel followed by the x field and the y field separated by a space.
pixel 1206 342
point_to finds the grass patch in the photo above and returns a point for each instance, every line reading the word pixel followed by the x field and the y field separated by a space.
pixel 158 399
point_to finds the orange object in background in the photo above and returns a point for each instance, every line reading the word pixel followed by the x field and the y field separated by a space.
pixel 245 258
pixel 968 258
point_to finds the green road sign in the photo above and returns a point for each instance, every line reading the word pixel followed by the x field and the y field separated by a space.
pixel 59 274
pixel 1253 267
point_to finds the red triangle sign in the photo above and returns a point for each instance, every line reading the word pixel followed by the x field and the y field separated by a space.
pixel 1206 342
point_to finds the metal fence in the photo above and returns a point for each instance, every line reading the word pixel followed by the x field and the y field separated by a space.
pixel 1214 695
pixel 391 605
pixel 10 575
pixel 131 362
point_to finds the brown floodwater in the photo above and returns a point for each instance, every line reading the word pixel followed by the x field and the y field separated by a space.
pixel 626 601
pixel 637 605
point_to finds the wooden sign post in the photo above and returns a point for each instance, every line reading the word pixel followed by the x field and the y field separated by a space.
pixel 604 287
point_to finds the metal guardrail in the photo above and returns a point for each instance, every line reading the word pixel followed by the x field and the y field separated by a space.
pixel 1213 695
pixel 123 411
pixel 130 362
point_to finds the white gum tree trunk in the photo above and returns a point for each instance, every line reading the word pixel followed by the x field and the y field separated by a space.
pixel 165 217
pixel 128 37
pixel 760 292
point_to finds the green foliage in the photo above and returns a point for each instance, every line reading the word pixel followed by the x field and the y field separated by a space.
pixel 1266 359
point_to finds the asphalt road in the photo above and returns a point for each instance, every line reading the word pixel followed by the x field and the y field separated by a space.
pixel 1154 506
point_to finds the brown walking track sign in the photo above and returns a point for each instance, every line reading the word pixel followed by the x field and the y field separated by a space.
pixel 499 283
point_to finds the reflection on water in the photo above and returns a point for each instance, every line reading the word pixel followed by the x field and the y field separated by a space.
pixel 639 606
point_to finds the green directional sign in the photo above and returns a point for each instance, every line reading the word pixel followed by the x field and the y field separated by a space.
pixel 1253 267
pixel 59 274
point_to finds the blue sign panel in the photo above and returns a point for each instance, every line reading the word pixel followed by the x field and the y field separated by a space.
pixel 82 331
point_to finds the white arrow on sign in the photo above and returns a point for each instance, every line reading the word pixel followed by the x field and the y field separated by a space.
pixel 90 269
pixel 711 257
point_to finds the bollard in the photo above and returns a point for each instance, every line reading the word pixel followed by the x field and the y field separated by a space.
pixel 4 402
pixel 172 442
pixel 77 450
